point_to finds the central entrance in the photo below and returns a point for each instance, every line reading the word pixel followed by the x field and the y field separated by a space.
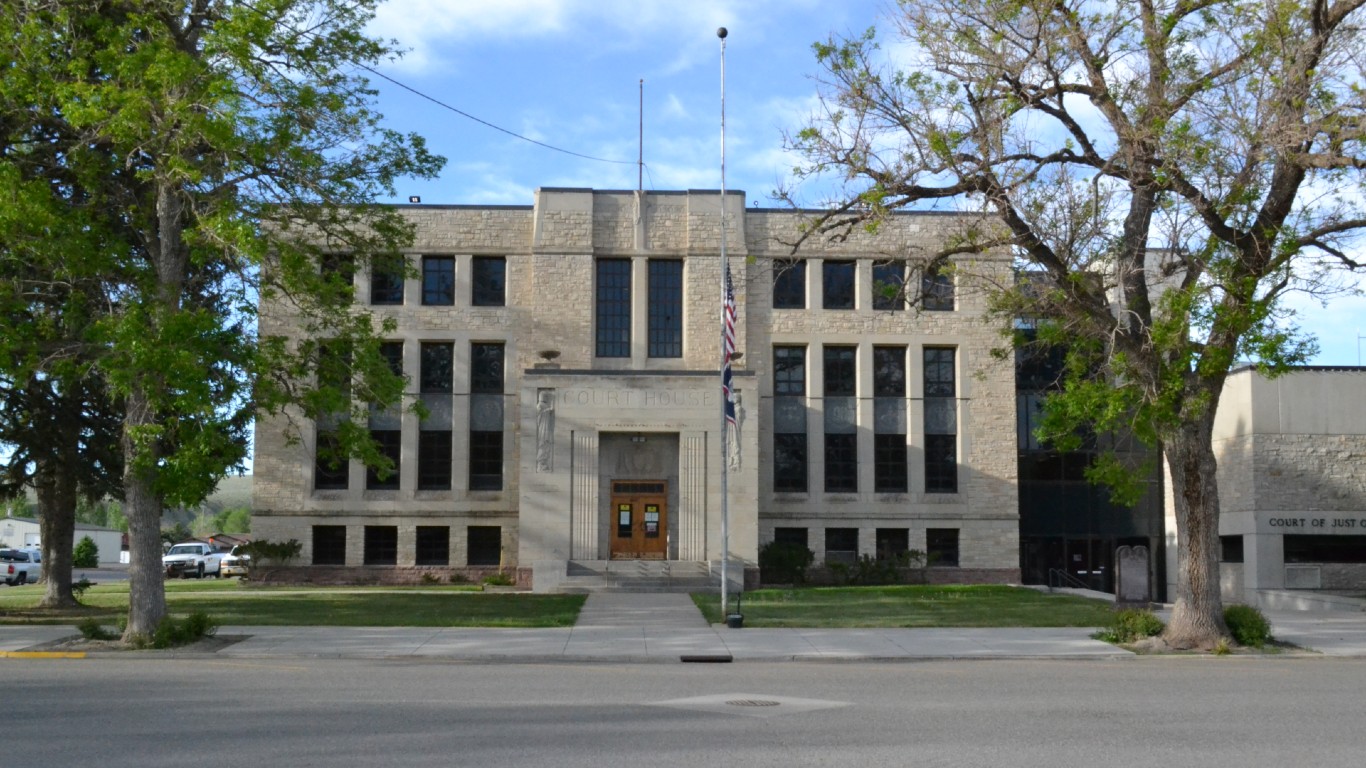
pixel 640 520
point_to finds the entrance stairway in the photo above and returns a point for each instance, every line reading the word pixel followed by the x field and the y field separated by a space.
pixel 589 576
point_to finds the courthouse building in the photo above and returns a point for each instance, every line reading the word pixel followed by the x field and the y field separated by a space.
pixel 567 354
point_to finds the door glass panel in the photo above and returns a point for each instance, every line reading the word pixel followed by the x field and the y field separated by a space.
pixel 623 521
pixel 651 521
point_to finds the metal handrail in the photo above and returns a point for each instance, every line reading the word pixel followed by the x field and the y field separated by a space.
pixel 1059 578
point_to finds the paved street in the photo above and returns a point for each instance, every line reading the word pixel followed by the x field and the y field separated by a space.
pixel 328 712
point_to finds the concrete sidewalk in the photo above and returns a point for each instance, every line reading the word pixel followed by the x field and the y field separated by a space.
pixel 629 628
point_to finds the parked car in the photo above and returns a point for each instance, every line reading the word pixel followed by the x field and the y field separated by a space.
pixel 235 563
pixel 21 566
pixel 192 558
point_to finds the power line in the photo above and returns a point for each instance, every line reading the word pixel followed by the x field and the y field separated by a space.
pixel 467 115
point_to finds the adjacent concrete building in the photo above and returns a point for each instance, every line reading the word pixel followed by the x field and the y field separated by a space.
pixel 1292 484
pixel 568 353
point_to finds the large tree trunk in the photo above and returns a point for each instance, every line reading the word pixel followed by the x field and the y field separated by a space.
pixel 142 506
pixel 57 526
pixel 1198 616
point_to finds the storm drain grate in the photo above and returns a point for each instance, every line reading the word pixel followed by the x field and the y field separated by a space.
pixel 752 703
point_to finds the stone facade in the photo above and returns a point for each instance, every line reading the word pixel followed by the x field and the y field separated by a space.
pixel 1292 480
pixel 581 430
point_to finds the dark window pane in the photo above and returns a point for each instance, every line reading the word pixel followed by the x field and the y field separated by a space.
pixel 941 464
pixel 489 279
pixel 434 460
pixel 841 463
pixel 666 308
pixel 433 545
pixel 939 375
pixel 841 545
pixel 438 280
pixel 614 308
pixel 840 372
pixel 892 543
pixel 330 466
pixel 485 545
pixel 789 285
pixel 839 284
pixel 792 536
pixel 386 281
pixel 338 267
pixel 889 464
pixel 1308 548
pixel 1231 549
pixel 381 545
pixel 789 371
pixel 889 371
pixel 390 442
pixel 329 545
pixel 941 546
pixel 889 291
pixel 486 368
pixel 392 352
pixel 486 461
pixel 936 290
pixel 334 367
pixel 789 463
pixel 437 375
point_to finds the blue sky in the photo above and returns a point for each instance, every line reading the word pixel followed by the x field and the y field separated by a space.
pixel 567 73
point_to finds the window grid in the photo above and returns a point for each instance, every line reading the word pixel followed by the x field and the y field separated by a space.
pixel 666 308
pixel 941 431
pixel 390 444
pixel 437 373
pixel 433 545
pixel 331 470
pixel 438 281
pixel 329 545
pixel 789 371
pixel 789 284
pixel 381 545
pixel 936 290
pixel 434 460
pixel 841 463
pixel 838 284
pixel 840 371
pixel 486 368
pixel 486 461
pixel 889 285
pixel 614 308
pixel 484 545
pixel 386 282
pixel 889 439
pixel 488 278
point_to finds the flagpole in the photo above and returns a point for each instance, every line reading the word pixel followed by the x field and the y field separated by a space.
pixel 725 361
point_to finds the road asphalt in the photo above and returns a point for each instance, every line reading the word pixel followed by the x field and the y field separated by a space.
pixel 634 628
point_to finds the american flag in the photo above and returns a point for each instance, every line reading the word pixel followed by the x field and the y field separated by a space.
pixel 728 348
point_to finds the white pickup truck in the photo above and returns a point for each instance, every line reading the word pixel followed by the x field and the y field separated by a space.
pixel 21 566
pixel 192 558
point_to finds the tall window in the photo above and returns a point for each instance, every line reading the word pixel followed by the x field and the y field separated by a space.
pixel 390 444
pixel 329 545
pixel 841 545
pixel 434 438
pixel 339 268
pixel 614 308
pixel 486 417
pixel 941 421
pixel 841 420
pixel 838 283
pixel 386 281
pixel 789 419
pixel 889 285
pixel 488 278
pixel 666 308
pixel 889 420
pixel 438 280
pixel 381 545
pixel 392 352
pixel 789 284
pixel 330 467
pixel 330 470
pixel 941 547
pixel 936 290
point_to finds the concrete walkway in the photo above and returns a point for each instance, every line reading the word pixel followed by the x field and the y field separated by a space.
pixel 628 628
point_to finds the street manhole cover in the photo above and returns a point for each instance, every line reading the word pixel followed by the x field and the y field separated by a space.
pixel 752 703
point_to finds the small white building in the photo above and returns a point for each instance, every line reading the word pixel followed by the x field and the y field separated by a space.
pixel 26 532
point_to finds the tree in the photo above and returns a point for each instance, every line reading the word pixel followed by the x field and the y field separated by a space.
pixel 85 554
pixel 1168 172
pixel 235 145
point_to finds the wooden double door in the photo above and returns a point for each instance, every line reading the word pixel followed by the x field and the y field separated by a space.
pixel 640 520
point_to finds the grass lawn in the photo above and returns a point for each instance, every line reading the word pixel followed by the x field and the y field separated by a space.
pixel 229 603
pixel 911 606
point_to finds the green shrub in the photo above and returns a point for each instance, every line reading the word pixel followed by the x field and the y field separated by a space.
pixel 92 629
pixel 86 554
pixel 172 633
pixel 784 563
pixel 1247 625
pixel 430 578
pixel 871 572
pixel 1130 626
pixel 500 579
pixel 459 578
pixel 78 588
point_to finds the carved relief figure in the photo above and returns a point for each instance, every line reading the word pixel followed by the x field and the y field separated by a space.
pixel 545 430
